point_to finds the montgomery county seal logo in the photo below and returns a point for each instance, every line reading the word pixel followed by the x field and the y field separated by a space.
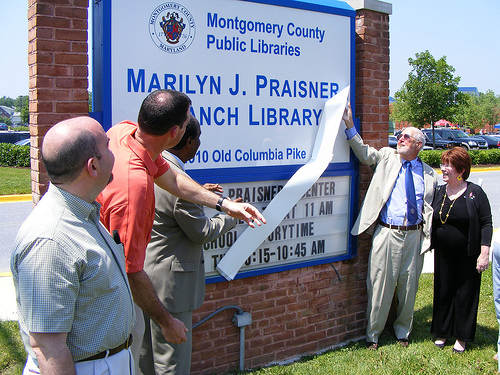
pixel 172 27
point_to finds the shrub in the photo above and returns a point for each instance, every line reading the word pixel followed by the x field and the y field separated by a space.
pixel 14 156
pixel 478 157
pixel 20 128
pixel 486 157
pixel 431 157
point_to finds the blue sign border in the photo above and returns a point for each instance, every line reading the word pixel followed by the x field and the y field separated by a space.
pixel 101 100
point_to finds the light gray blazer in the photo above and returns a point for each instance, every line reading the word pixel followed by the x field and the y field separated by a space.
pixel 174 257
pixel 386 164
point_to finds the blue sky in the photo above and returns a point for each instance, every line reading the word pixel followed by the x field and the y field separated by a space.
pixel 464 31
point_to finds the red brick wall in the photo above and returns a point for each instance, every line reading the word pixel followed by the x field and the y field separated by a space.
pixel 372 75
pixel 58 70
pixel 372 93
pixel 294 313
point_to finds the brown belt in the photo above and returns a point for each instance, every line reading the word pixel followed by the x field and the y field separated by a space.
pixel 401 227
pixel 110 352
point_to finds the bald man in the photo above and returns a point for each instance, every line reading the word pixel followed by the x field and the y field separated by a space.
pixel 68 272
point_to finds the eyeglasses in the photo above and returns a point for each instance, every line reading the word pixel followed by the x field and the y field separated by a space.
pixel 405 137
pixel 447 166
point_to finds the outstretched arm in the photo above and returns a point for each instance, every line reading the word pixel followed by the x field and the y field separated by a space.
pixel 187 189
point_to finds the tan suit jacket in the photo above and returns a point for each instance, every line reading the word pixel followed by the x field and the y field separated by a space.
pixel 386 164
pixel 174 257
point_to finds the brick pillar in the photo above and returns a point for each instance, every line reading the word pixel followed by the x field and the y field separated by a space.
pixel 57 59
pixel 372 85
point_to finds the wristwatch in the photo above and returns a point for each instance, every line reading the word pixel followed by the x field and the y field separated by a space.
pixel 218 206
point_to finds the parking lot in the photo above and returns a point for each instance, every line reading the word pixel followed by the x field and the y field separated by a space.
pixel 10 136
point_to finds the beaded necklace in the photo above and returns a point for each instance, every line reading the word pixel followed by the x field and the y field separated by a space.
pixel 451 206
pixel 441 210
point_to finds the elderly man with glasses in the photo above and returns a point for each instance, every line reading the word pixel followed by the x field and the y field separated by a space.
pixel 397 211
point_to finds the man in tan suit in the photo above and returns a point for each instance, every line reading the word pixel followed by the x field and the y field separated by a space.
pixel 174 261
pixel 399 216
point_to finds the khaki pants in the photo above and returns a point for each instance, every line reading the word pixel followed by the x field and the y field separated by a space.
pixel 395 265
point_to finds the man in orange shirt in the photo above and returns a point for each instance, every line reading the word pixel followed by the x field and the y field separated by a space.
pixel 128 204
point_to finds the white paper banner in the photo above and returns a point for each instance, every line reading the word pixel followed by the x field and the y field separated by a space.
pixel 294 189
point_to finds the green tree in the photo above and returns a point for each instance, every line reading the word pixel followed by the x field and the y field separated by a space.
pixel 429 94
pixel 490 107
pixel 477 111
pixel 467 112
pixel 19 102
pixel 6 120
pixel 25 110
pixel 6 101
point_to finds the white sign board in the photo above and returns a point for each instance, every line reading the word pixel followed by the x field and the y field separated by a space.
pixel 258 74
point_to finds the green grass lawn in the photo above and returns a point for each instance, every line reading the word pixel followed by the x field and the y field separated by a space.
pixel 421 356
pixel 15 181
pixel 12 354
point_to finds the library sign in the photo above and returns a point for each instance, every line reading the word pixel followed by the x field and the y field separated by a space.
pixel 258 74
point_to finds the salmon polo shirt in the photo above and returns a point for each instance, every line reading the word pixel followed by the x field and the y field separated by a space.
pixel 128 202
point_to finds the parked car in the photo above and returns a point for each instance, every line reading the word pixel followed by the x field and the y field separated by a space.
pixel 23 142
pixel 468 143
pixel 13 137
pixel 439 143
pixel 3 126
pixel 393 141
pixel 492 141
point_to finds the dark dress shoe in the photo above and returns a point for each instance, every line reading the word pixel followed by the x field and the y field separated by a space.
pixel 403 342
pixel 372 345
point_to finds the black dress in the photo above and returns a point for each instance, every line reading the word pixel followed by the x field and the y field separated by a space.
pixel 456 280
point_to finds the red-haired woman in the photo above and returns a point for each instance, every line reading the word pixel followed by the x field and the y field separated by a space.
pixel 461 237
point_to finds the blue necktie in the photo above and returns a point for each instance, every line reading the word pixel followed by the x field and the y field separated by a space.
pixel 411 198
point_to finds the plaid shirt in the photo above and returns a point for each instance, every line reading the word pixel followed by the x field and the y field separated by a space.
pixel 70 277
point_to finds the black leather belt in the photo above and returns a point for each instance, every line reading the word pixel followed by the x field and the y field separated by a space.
pixel 110 352
pixel 401 227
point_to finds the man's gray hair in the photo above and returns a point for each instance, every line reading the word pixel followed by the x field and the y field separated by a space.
pixel 419 137
pixel 417 134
